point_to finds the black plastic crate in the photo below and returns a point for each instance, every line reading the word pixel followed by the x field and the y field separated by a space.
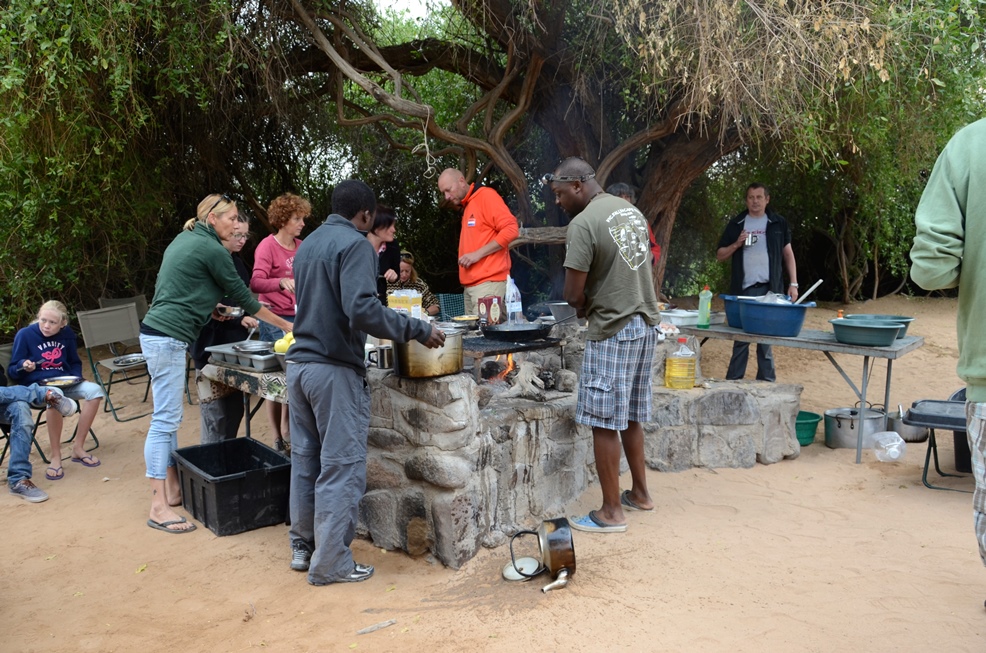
pixel 235 485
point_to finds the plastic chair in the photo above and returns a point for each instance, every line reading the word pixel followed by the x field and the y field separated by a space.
pixel 451 305
pixel 101 327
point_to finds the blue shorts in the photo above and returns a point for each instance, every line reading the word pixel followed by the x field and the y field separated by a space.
pixel 615 387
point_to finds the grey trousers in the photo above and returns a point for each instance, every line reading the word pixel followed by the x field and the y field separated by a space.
pixel 330 419
pixel 741 350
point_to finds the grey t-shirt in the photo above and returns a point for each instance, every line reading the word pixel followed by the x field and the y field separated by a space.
pixel 756 262
pixel 608 240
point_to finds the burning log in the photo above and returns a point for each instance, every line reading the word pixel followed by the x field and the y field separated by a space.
pixel 527 383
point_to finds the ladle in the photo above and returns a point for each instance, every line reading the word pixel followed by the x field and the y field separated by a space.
pixel 808 292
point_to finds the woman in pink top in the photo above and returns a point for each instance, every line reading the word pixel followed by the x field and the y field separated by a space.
pixel 273 280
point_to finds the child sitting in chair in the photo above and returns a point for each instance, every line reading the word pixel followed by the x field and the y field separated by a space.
pixel 47 349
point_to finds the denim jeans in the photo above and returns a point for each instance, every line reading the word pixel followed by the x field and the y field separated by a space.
pixel 165 359
pixel 15 409
pixel 269 332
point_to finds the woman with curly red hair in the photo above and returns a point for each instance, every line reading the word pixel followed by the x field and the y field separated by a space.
pixel 273 279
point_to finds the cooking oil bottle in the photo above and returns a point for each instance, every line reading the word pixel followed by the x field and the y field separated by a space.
pixel 679 367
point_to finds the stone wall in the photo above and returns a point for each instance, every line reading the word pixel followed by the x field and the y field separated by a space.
pixel 452 466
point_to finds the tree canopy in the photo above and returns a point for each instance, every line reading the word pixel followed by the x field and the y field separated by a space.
pixel 118 116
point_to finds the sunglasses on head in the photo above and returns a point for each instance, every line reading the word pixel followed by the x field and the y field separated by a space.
pixel 222 197
pixel 548 178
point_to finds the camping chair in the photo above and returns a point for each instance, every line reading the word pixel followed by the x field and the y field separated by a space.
pixel 115 324
pixel 132 344
pixel 451 305
pixel 5 352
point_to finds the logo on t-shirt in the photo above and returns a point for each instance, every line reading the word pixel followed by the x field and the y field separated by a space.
pixel 629 231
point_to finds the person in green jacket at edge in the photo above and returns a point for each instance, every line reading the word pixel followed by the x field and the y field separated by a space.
pixel 196 273
pixel 950 250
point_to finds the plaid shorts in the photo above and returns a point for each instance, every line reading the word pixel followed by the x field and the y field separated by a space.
pixel 615 387
pixel 975 416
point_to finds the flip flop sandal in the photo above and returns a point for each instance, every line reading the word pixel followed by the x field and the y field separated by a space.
pixel 629 503
pixel 87 461
pixel 592 524
pixel 54 473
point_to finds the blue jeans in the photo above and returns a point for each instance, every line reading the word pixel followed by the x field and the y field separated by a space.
pixel 165 359
pixel 15 408
pixel 269 332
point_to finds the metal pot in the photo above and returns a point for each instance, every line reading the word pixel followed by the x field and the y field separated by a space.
pixel 414 360
pixel 557 551
pixel 907 432
pixel 842 426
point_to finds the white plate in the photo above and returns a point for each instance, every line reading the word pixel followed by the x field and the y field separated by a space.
pixel 526 565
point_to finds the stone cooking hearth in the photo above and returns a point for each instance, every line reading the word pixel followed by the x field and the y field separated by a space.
pixel 454 465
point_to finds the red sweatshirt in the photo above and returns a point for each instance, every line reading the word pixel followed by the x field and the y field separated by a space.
pixel 485 218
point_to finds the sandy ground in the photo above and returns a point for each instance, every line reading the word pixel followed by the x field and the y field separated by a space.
pixel 812 554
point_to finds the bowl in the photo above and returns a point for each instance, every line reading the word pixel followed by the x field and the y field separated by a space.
pixel 868 333
pixel 230 311
pixel 768 319
pixel 903 319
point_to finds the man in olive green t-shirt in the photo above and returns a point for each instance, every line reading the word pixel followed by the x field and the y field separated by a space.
pixel 608 280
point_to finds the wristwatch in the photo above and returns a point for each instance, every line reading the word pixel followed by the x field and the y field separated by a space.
pixel 793 285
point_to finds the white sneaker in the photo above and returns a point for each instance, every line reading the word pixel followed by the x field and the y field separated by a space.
pixel 55 399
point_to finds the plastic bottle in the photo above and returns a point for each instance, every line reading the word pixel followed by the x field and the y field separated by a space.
pixel 679 367
pixel 704 307
pixel 515 309
pixel 888 446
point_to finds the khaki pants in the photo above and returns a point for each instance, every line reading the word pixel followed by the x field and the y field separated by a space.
pixel 471 294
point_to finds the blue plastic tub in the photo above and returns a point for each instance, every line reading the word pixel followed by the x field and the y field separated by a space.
pixel 783 320
pixel 732 311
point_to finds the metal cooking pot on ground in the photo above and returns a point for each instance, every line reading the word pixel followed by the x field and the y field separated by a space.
pixel 842 426
pixel 414 360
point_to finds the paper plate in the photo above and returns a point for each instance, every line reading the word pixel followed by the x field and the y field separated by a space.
pixel 526 565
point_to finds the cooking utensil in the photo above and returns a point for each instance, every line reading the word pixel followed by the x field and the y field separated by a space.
pixel 523 332
pixel 808 292
pixel 557 551
pixel 61 381
pixel 414 360
pixel 842 426
pixel 250 333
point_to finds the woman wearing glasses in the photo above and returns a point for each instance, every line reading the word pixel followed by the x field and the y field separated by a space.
pixel 196 272
pixel 273 279
pixel 409 281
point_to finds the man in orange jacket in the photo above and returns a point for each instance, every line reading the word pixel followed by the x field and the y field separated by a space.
pixel 488 227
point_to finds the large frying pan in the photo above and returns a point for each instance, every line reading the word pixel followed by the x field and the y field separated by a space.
pixel 522 332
